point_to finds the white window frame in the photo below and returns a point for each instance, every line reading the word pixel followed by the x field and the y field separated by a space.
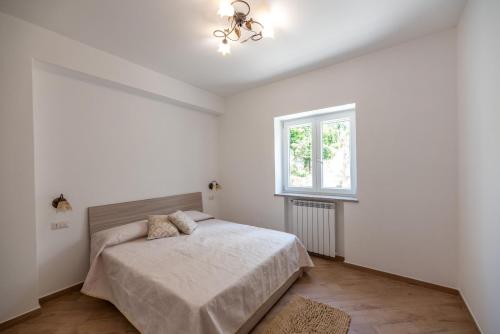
pixel 315 119
pixel 286 153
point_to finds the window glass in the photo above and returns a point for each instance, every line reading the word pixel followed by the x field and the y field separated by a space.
pixel 300 156
pixel 336 154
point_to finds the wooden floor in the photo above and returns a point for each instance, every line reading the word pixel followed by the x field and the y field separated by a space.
pixel 376 304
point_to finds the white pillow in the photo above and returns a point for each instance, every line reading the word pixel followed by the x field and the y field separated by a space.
pixel 198 216
pixel 183 222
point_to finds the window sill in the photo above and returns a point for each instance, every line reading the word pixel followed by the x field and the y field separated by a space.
pixel 322 197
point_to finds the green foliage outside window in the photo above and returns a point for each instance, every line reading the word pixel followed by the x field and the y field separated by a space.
pixel 332 133
pixel 301 150
pixel 301 145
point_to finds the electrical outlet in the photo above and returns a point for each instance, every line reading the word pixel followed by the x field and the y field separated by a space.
pixel 58 225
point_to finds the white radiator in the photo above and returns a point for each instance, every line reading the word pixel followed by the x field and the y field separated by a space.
pixel 314 224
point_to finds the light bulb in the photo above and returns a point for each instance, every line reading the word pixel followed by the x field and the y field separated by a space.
pixel 225 8
pixel 224 47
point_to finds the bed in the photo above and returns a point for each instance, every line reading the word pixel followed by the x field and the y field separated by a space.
pixel 223 278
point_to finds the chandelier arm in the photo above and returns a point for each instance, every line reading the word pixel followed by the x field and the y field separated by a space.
pixel 217 33
pixel 257 37
pixel 232 39
pixel 245 40
pixel 228 34
pixel 251 30
pixel 243 2
pixel 257 22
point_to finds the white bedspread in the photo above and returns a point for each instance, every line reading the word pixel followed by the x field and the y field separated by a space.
pixel 209 282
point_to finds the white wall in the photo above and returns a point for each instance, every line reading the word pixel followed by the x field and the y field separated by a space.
pixel 479 161
pixel 21 43
pixel 97 145
pixel 405 221
pixel 406 96
pixel 18 276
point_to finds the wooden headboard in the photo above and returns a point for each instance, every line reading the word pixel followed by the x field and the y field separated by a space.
pixel 106 216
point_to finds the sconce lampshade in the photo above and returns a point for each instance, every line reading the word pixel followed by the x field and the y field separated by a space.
pixel 214 186
pixel 61 204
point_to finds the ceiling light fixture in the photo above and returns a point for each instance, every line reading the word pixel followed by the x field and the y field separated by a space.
pixel 241 27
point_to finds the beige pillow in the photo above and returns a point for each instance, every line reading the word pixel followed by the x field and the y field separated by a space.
pixel 159 226
pixel 183 222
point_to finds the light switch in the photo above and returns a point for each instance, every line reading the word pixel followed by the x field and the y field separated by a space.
pixel 58 225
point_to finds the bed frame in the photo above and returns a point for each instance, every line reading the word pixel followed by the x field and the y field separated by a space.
pixel 107 216
pixel 112 215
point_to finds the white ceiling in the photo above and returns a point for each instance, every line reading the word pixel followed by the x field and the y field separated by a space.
pixel 174 37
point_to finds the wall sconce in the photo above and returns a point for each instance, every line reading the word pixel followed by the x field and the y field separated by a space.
pixel 214 186
pixel 61 204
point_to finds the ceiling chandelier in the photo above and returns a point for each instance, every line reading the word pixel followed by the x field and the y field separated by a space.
pixel 241 28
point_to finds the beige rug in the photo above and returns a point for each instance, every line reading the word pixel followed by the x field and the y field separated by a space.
pixel 303 315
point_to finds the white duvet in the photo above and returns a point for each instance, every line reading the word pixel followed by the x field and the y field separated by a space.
pixel 209 282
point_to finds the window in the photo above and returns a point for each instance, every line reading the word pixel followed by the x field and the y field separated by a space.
pixel 318 152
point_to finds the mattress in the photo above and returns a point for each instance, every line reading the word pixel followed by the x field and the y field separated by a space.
pixel 209 282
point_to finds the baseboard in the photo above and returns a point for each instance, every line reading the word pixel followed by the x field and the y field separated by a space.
pixel 326 257
pixel 20 318
pixel 405 279
pixel 341 259
pixel 75 287
pixel 471 315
